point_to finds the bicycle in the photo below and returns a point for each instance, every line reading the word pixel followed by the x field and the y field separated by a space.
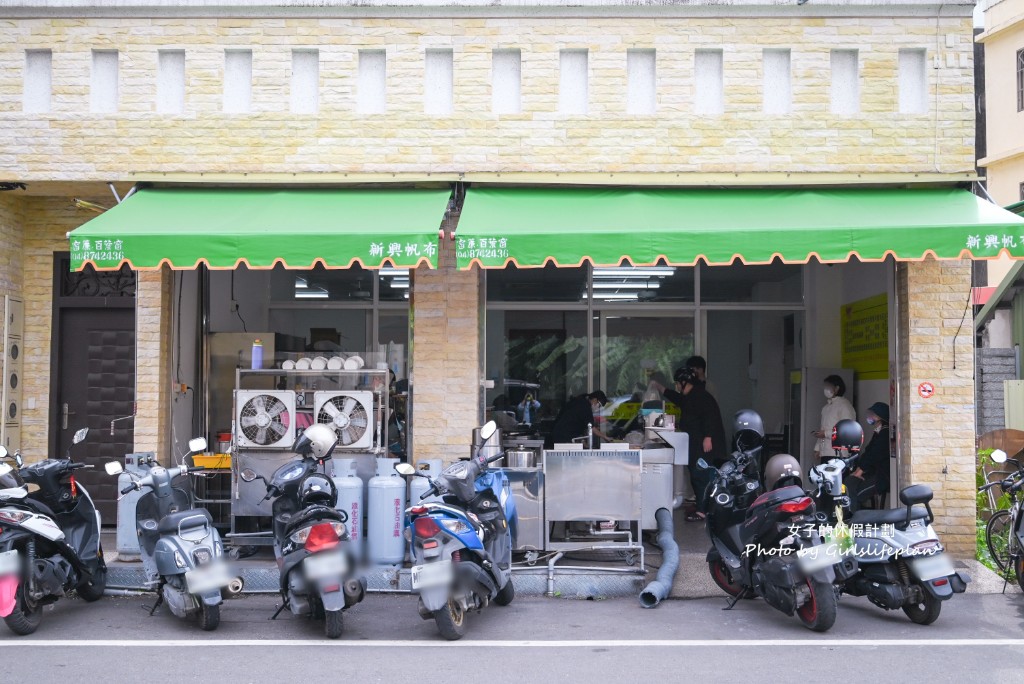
pixel 1004 532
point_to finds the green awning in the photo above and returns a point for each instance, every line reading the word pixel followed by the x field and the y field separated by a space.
pixel 568 226
pixel 223 227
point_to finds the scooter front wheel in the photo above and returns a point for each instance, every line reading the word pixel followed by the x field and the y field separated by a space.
pixel 24 619
pixel 209 617
pixel 818 613
pixel 451 620
pixel 926 611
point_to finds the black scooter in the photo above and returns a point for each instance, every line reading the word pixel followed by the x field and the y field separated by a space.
pixel 49 539
pixel 311 538
pixel 768 545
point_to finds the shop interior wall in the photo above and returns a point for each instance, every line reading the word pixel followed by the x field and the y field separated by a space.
pixel 828 288
pixel 187 362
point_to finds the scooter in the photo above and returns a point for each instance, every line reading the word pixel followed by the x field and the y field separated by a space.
pixel 49 539
pixel 317 575
pixel 901 562
pixel 767 545
pixel 462 546
pixel 182 553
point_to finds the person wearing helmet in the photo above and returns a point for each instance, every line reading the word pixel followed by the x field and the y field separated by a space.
pixel 701 420
pixel 837 407
pixel 871 475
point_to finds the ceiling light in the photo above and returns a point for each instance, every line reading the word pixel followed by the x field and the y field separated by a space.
pixel 630 272
pixel 629 296
pixel 637 285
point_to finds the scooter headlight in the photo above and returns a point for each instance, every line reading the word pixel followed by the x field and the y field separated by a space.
pixel 202 556
pixel 179 560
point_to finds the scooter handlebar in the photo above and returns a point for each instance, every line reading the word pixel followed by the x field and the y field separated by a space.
pixel 128 488
pixel 430 492
pixel 496 457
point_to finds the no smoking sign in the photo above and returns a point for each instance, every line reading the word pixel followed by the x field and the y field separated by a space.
pixel 926 390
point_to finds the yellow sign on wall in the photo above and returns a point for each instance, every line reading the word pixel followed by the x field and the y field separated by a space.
pixel 865 334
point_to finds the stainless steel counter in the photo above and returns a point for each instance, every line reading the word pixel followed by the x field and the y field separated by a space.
pixel 528 491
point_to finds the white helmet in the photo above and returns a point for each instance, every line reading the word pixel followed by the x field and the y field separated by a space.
pixel 317 440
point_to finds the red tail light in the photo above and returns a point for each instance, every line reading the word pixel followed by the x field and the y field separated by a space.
pixel 321 537
pixel 425 527
pixel 418 510
pixel 74 488
pixel 796 505
pixel 940 582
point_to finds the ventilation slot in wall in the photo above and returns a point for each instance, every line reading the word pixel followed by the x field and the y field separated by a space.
pixel 38 81
pixel 572 82
pixel 237 81
pixel 437 82
pixel 506 75
pixel 305 81
pixel 641 82
pixel 913 82
pixel 103 93
pixel 777 81
pixel 170 82
pixel 709 96
pixel 845 82
pixel 371 88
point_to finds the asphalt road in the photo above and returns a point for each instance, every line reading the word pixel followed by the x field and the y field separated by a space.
pixel 977 638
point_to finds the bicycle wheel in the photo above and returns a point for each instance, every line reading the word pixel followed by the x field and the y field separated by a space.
pixel 997 538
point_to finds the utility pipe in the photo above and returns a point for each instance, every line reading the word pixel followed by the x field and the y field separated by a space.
pixel 551 573
pixel 657 590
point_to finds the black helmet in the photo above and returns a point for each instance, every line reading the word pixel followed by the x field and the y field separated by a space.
pixel 685 375
pixel 849 435
pixel 317 489
pixel 748 428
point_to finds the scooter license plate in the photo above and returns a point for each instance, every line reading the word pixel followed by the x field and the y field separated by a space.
pixel 9 563
pixel 208 578
pixel 323 565
pixel 815 558
pixel 932 567
pixel 437 574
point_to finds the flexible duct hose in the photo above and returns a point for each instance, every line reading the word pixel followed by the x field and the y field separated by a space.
pixel 657 590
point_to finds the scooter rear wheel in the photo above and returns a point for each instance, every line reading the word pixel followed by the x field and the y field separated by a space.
pixel 92 590
pixel 24 619
pixel 926 612
pixel 1018 566
pixel 720 574
pixel 333 623
pixel 209 617
pixel 451 620
pixel 506 594
pixel 818 613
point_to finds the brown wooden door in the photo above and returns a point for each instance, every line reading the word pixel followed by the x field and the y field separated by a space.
pixel 93 378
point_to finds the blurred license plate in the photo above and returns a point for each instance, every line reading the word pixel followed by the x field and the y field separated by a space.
pixel 932 567
pixel 815 558
pixel 202 580
pixel 8 563
pixel 324 565
pixel 431 575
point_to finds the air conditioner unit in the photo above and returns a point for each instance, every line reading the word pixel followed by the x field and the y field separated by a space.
pixel 350 414
pixel 264 419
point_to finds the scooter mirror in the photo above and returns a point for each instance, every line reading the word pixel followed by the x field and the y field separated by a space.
pixel 404 469
pixel 3 452
pixel 247 474
pixel 999 456
pixel 488 430
pixel 197 445
pixel 114 468
pixel 701 463
pixel 80 436
pixel 18 460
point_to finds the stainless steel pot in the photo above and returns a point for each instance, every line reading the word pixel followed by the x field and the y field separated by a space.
pixel 520 458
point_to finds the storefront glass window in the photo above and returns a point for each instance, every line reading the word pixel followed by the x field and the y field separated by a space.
pixel 643 284
pixel 548 284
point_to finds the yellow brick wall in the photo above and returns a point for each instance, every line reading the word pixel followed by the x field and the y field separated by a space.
pixel 936 435
pixel 152 371
pixel 70 143
pixel 445 358
pixel 11 218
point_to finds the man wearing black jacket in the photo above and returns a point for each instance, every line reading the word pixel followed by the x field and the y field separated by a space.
pixel 701 420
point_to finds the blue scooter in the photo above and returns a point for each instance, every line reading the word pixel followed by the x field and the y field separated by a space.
pixel 462 545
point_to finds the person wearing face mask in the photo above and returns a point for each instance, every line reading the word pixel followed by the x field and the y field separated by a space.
pixel 871 475
pixel 574 417
pixel 701 420
pixel 837 407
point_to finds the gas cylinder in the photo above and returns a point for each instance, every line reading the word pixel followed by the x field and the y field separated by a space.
pixel 385 519
pixel 430 467
pixel 350 500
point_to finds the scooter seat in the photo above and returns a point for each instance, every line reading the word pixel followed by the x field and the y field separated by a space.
pixel 185 520
pixel 894 516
